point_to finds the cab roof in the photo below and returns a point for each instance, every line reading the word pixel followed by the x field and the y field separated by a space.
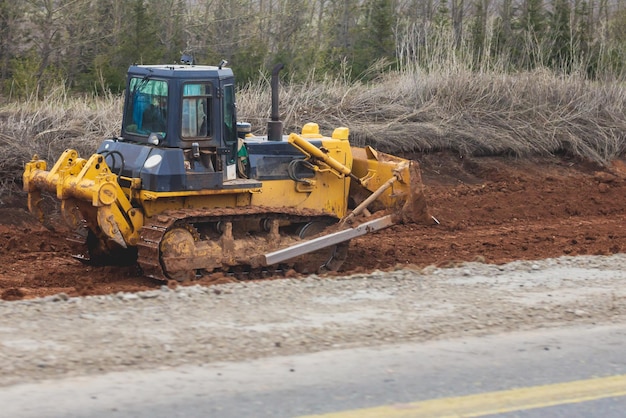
pixel 181 71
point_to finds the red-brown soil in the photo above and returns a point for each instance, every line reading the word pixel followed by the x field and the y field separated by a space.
pixel 490 209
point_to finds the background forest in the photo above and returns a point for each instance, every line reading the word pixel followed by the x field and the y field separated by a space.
pixel 89 44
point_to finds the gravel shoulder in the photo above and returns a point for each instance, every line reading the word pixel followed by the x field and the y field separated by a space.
pixel 59 336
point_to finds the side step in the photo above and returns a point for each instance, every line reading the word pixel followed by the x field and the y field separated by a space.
pixel 325 241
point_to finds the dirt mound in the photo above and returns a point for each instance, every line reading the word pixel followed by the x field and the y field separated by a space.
pixel 498 210
pixel 490 209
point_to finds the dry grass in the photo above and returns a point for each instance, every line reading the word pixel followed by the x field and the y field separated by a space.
pixel 48 127
pixel 473 114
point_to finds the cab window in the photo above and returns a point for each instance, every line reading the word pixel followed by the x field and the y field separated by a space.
pixel 146 108
pixel 230 118
pixel 196 110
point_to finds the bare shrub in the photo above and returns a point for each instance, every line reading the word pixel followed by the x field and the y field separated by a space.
pixel 46 128
pixel 533 113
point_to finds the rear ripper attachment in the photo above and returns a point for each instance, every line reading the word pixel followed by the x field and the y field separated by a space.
pixel 200 193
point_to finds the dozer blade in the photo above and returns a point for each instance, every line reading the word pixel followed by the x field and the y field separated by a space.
pixel 334 238
pixel 415 208
pixel 388 182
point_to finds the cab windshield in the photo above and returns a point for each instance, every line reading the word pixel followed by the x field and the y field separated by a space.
pixel 146 110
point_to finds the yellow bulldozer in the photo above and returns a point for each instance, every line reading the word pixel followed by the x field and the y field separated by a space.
pixel 186 189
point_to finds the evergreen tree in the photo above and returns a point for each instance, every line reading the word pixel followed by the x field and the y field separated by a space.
pixel 503 43
pixel 582 29
pixel 172 16
pixel 531 35
pixel 10 12
pixel 81 38
pixel 139 40
pixel 108 69
pixel 560 51
pixel 376 40
pixel 293 46
pixel 225 31
pixel 228 30
pixel 442 16
pixel 479 31
pixel 534 18
pixel 457 13
pixel 340 33
pixel 612 57
pixel 582 38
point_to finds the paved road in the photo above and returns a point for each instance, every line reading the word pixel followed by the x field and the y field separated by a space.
pixel 582 365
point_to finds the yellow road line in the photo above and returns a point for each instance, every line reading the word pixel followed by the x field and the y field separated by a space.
pixel 496 402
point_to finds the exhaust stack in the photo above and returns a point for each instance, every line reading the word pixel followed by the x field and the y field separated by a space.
pixel 274 125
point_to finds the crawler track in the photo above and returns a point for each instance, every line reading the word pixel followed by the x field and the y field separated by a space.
pixel 234 249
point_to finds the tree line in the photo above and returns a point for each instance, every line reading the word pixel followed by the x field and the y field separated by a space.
pixel 87 45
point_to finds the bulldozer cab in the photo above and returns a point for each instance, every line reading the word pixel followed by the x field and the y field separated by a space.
pixel 181 120
pixel 180 106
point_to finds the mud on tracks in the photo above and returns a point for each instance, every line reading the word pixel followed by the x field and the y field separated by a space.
pixel 490 209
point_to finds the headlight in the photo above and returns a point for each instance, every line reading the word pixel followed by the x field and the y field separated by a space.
pixel 152 161
pixel 153 138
